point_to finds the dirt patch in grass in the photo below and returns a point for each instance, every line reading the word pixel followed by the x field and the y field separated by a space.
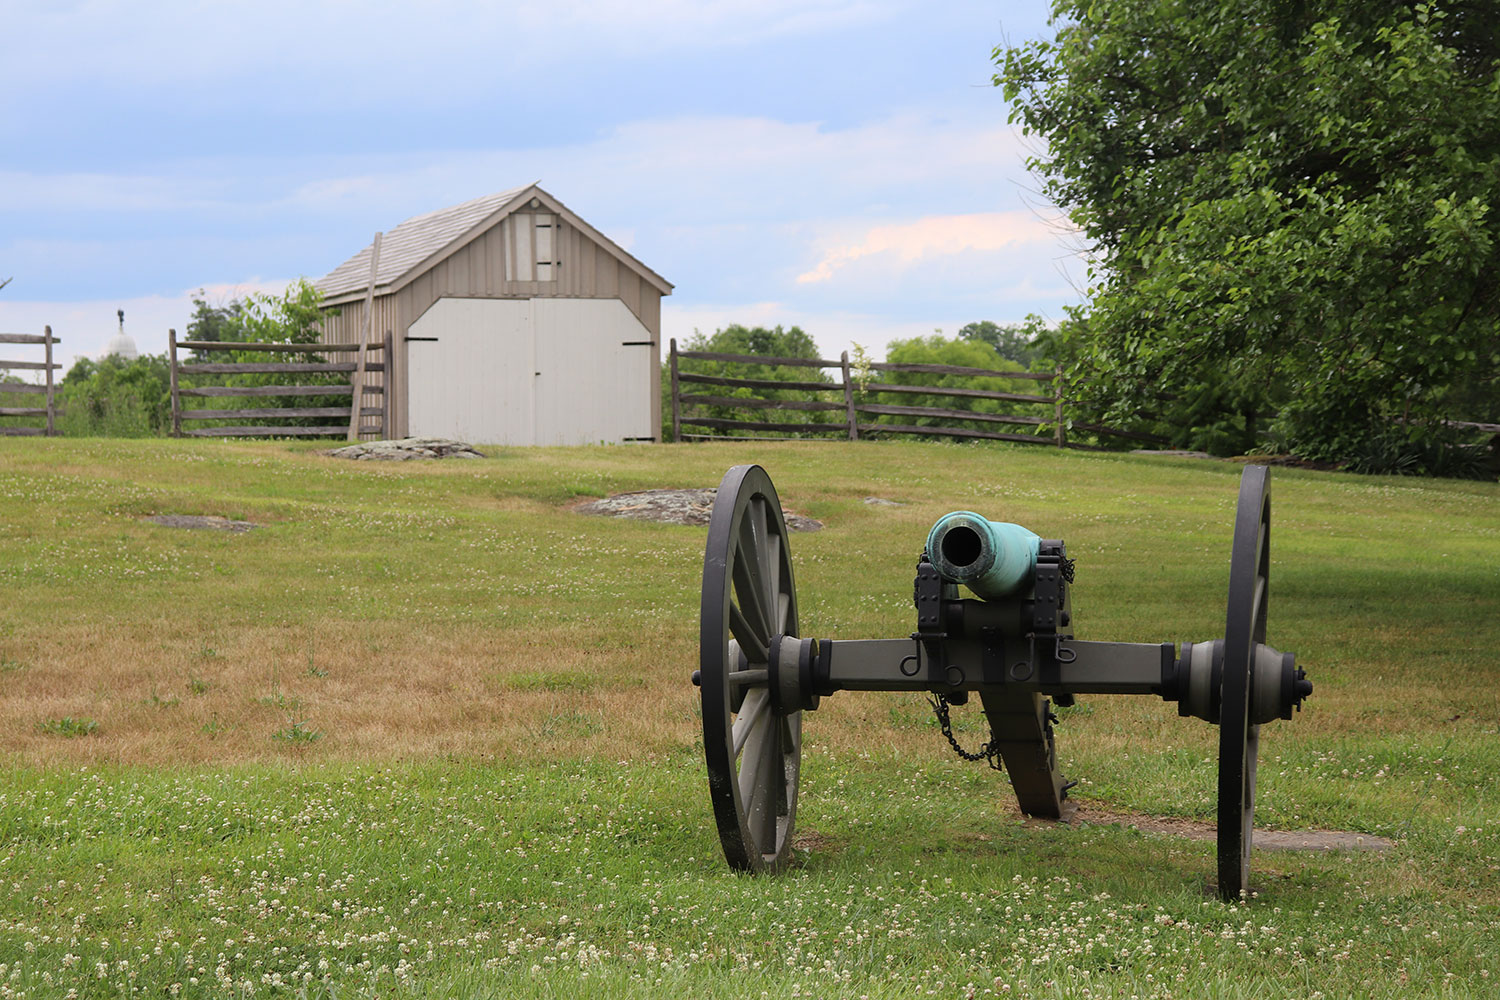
pixel 690 506
pixel 812 841
pixel 1268 840
pixel 201 522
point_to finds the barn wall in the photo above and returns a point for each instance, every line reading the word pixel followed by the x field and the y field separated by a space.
pixel 493 265
pixel 348 326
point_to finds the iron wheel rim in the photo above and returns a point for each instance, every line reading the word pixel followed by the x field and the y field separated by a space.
pixel 749 598
pixel 1244 629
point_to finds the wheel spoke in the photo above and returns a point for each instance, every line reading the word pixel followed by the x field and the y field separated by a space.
pixel 767 784
pixel 749 582
pixel 1252 760
pixel 772 569
pixel 775 782
pixel 1258 630
pixel 789 748
pixel 750 641
pixel 753 771
pixel 764 570
pixel 756 703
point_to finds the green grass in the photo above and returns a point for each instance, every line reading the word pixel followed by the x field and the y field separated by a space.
pixel 297 731
pixel 507 798
pixel 68 727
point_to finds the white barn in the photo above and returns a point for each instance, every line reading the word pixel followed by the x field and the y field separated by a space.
pixel 513 321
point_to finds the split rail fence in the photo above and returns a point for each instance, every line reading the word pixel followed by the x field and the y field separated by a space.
pixel 48 409
pixel 1051 426
pixel 348 421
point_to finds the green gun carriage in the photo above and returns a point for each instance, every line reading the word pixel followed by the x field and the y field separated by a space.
pixel 1012 644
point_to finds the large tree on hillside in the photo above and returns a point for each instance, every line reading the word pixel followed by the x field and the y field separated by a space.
pixel 1295 202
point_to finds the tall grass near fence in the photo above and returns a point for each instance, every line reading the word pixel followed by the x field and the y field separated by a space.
pixel 507 798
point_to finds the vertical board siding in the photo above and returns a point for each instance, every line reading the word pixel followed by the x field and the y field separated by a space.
pixel 565 282
pixel 346 327
pixel 650 312
pixel 606 276
pixel 630 290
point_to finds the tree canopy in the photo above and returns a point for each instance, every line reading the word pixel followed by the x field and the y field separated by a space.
pixel 769 342
pixel 1290 203
pixel 1024 343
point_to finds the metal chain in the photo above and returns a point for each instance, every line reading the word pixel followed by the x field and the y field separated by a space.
pixel 989 752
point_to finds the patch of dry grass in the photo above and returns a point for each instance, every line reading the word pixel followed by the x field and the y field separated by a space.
pixel 428 609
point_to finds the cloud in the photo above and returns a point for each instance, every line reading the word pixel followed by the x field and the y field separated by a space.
pixel 937 235
pixel 337 43
pixel 85 328
pixel 22 191
pixel 889 226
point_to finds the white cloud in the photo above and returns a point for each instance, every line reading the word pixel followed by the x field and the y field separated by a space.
pixel 391 49
pixel 936 235
pixel 897 225
pixel 85 328
pixel 691 169
pixel 719 167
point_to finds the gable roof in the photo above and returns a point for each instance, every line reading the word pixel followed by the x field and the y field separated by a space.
pixel 419 243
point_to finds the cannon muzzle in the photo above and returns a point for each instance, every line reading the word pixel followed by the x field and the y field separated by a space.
pixel 991 558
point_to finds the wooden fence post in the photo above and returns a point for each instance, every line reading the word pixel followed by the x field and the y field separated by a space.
pixel 849 399
pixel 172 376
pixel 1060 432
pixel 51 406
pixel 387 384
pixel 676 405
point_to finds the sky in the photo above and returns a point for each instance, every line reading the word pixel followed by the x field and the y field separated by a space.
pixel 842 165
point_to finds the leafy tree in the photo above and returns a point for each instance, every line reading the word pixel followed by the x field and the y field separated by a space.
pixel 964 352
pixel 1023 343
pixel 790 342
pixel 1291 204
pixel 116 398
pixel 213 323
pixel 293 317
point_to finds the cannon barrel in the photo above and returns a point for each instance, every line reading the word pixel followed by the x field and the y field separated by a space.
pixel 992 558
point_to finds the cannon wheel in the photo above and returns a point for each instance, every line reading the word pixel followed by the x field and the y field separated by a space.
pixel 1239 738
pixel 754 754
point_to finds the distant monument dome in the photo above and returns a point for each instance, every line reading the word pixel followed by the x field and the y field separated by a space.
pixel 120 345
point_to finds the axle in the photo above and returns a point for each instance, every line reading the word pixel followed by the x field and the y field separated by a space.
pixel 804 670
pixel 1016 638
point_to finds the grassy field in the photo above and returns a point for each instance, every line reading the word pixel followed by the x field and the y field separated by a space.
pixel 427 732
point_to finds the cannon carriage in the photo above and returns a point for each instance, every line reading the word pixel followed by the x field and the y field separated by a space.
pixel 1011 644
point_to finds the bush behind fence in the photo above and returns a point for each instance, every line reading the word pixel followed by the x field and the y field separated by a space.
pixel 712 398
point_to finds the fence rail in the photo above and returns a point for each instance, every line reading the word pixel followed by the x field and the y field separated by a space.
pixel 853 404
pixel 350 419
pixel 49 410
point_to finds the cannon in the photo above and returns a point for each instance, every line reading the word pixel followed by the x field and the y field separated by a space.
pixel 1011 643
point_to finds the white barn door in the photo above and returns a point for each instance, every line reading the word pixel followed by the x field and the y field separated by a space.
pixel 469 372
pixel 543 371
pixel 594 360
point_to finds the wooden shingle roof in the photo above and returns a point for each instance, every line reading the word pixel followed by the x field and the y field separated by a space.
pixel 417 244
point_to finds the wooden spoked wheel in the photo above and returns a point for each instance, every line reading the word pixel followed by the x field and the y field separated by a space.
pixel 753 752
pixel 1245 628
